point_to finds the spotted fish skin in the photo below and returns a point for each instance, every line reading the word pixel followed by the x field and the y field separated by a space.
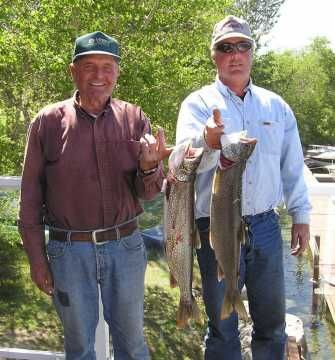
pixel 226 227
pixel 179 226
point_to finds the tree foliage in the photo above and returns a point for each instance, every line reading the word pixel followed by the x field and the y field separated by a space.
pixel 165 55
pixel 262 15
pixel 306 80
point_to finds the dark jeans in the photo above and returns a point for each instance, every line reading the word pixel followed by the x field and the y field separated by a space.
pixel 261 270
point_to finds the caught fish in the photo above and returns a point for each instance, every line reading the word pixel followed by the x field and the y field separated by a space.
pixel 179 226
pixel 226 228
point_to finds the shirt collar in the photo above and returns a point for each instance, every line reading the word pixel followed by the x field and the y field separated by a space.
pixel 83 111
pixel 225 91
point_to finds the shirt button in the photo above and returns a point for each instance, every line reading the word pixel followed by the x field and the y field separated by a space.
pixel 249 182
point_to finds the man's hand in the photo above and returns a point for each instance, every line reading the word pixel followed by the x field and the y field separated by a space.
pixel 214 130
pixel 153 150
pixel 299 239
pixel 41 276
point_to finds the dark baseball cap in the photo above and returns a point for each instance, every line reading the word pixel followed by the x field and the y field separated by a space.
pixel 96 43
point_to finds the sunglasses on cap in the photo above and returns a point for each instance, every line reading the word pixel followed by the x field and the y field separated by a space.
pixel 228 48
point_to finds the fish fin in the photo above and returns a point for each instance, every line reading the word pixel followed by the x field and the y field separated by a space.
pixel 240 308
pixel 173 281
pixel 187 311
pixel 243 234
pixel 184 313
pixel 196 315
pixel 210 241
pixel 220 273
pixel 227 307
pixel 196 237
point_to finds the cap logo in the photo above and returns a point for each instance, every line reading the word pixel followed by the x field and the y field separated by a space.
pixel 98 42
pixel 233 24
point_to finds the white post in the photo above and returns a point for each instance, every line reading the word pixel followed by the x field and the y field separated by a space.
pixel 102 335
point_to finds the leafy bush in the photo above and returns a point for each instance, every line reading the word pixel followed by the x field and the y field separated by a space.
pixel 11 253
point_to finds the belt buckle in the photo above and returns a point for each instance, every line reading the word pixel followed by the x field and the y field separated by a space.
pixel 94 235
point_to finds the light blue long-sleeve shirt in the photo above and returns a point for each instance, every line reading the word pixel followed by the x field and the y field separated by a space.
pixel 274 172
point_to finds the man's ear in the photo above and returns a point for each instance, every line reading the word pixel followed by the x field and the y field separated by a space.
pixel 118 69
pixel 213 56
pixel 72 70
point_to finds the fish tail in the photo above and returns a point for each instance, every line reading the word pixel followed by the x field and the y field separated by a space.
pixel 184 313
pixel 196 315
pixel 173 281
pixel 227 307
pixel 240 308
pixel 187 311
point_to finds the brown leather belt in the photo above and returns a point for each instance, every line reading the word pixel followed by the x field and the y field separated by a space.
pixel 96 236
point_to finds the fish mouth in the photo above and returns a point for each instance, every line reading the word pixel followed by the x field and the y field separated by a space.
pixel 192 153
pixel 249 141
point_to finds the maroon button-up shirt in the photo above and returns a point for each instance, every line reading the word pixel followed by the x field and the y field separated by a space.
pixel 80 172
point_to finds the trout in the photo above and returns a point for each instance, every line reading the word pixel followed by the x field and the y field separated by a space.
pixel 226 228
pixel 179 227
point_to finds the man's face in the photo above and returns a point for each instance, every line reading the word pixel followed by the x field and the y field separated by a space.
pixel 95 76
pixel 233 67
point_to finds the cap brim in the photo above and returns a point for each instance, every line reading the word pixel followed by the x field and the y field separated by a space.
pixel 96 52
pixel 229 36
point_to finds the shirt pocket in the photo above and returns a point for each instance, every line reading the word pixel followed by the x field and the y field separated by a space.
pixel 56 249
pixel 270 137
pixel 133 242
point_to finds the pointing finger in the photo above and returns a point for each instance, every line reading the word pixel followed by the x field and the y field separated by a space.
pixel 164 152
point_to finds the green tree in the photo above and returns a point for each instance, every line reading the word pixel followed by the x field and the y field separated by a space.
pixel 164 46
pixel 262 15
pixel 305 79
pixel 165 55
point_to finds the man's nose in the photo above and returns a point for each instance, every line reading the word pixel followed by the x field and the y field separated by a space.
pixel 235 53
pixel 99 73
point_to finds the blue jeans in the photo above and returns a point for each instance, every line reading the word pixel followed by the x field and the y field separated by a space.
pixel 119 267
pixel 261 270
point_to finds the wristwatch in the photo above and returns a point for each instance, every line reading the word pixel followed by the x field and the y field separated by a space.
pixel 148 172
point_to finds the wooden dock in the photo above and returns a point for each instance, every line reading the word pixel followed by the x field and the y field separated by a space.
pixel 322 196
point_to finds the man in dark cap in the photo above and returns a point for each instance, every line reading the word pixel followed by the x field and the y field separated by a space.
pixel 88 161
pixel 273 173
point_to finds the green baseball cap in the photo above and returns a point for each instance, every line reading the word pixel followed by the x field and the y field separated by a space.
pixel 96 43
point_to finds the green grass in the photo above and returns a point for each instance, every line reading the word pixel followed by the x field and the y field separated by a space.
pixel 28 319
pixel 164 339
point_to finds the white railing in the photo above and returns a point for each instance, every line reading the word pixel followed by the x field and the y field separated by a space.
pixel 102 333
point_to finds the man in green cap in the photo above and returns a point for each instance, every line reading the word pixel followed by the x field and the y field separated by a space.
pixel 88 161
